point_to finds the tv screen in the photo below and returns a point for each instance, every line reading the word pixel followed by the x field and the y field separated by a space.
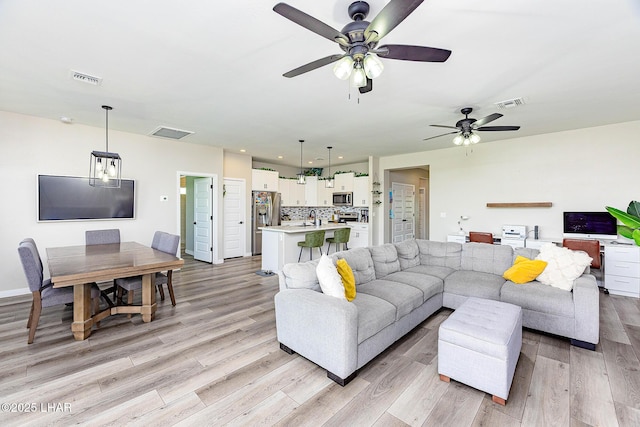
pixel 62 198
pixel 590 225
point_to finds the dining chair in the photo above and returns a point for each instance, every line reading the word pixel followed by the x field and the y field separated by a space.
pixel 42 290
pixel 164 242
pixel 592 248
pixel 339 236
pixel 104 237
pixel 480 237
pixel 314 239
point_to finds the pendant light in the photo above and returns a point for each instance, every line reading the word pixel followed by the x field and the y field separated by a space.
pixel 329 183
pixel 301 178
pixel 105 168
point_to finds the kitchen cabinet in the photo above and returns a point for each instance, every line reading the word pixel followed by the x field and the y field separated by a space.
pixel 291 193
pixel 359 237
pixel 361 191
pixel 325 195
pixel 263 180
pixel 311 191
pixel 344 182
pixel 622 270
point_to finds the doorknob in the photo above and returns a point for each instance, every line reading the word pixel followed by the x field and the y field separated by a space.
pixel 241 222
pixel 194 223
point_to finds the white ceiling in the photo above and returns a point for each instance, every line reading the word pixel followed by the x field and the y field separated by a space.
pixel 215 68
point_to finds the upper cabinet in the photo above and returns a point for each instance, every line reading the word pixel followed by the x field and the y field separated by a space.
pixel 263 180
pixel 361 191
pixel 343 182
pixel 291 193
pixel 325 195
pixel 311 191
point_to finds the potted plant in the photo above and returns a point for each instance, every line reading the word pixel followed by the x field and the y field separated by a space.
pixel 630 219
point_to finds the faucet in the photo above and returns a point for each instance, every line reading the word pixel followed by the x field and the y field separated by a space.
pixel 315 216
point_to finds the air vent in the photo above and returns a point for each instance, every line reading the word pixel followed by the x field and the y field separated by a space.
pixel 86 78
pixel 510 103
pixel 170 133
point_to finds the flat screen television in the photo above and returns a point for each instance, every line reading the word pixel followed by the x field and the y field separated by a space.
pixel 66 198
pixel 590 225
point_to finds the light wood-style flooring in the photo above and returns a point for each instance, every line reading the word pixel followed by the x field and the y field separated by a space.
pixel 214 360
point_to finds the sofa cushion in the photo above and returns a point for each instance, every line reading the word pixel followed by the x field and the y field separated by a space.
pixel 535 296
pixel 359 259
pixel 439 254
pixel 484 258
pixel 474 284
pixel 524 270
pixel 429 285
pixel 385 259
pixel 348 279
pixel 374 314
pixel 408 253
pixel 301 276
pixel 564 266
pixel 432 270
pixel 404 297
pixel 330 280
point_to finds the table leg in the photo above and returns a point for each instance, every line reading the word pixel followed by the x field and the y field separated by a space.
pixel 82 321
pixel 148 308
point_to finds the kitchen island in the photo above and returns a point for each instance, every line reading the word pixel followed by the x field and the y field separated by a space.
pixel 280 243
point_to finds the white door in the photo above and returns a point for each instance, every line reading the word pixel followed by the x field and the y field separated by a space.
pixel 403 205
pixel 203 219
pixel 234 199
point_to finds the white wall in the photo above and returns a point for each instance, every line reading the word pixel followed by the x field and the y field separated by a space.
pixel 585 169
pixel 32 146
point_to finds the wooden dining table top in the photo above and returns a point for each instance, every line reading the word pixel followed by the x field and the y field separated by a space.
pixel 74 265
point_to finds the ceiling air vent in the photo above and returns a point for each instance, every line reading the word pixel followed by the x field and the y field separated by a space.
pixel 510 103
pixel 86 78
pixel 170 133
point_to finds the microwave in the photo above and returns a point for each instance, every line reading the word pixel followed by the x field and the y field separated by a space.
pixel 342 199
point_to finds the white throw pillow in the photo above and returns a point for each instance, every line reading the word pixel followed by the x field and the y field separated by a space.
pixel 329 278
pixel 564 266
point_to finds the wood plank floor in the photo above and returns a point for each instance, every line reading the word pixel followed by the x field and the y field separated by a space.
pixel 214 360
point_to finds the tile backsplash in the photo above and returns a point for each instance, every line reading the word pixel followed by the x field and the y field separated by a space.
pixel 302 212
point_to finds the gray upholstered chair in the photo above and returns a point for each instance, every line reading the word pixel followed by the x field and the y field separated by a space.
pixel 104 237
pixel 43 292
pixel 164 242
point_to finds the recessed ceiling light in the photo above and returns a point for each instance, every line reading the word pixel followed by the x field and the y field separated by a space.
pixel 310 162
pixel 280 157
pixel 242 150
pixel 341 157
pixel 67 120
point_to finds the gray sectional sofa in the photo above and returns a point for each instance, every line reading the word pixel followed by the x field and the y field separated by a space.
pixel 400 285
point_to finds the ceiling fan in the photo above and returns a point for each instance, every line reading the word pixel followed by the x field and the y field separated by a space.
pixel 465 128
pixel 359 41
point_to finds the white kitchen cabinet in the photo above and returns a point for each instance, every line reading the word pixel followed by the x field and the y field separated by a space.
pixel 361 191
pixel 285 193
pixel 325 195
pixel 263 180
pixel 359 237
pixel 622 270
pixel 311 191
pixel 296 193
pixel 343 182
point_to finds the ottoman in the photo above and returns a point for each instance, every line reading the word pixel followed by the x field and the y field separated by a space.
pixel 479 345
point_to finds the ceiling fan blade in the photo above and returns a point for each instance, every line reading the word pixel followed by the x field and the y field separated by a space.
pixel 485 120
pixel 309 22
pixel 445 126
pixel 389 17
pixel 414 53
pixel 498 128
pixel 313 65
pixel 433 137
pixel 368 87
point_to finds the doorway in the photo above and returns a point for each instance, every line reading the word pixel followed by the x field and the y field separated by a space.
pixel 197 219
pixel 403 212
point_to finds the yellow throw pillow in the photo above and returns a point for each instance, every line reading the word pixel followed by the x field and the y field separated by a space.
pixel 348 279
pixel 524 270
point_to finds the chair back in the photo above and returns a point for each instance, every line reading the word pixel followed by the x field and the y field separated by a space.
pixel 591 247
pixel 480 237
pixel 165 242
pixel 31 264
pixel 315 239
pixel 102 237
pixel 342 235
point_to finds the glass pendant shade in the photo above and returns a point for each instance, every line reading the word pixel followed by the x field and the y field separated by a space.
pixel 475 138
pixel 372 65
pixel 359 77
pixel 329 183
pixel 458 139
pixel 343 68
pixel 301 178
pixel 105 168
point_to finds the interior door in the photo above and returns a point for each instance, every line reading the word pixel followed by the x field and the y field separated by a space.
pixel 403 205
pixel 203 219
pixel 234 199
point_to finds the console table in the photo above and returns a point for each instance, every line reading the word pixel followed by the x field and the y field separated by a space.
pixel 622 270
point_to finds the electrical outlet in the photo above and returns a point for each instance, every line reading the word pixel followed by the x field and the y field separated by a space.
pixel 164 198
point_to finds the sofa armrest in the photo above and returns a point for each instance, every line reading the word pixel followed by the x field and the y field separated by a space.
pixel 586 298
pixel 320 328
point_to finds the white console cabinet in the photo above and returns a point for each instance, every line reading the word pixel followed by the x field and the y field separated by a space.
pixel 622 270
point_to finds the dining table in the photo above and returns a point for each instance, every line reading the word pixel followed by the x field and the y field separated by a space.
pixel 80 266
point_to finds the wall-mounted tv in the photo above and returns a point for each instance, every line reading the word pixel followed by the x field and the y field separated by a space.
pixel 65 198
pixel 589 225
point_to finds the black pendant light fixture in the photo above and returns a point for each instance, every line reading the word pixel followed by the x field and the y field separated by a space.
pixel 301 178
pixel 329 183
pixel 105 168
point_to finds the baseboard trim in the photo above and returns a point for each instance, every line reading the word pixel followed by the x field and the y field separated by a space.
pixel 14 293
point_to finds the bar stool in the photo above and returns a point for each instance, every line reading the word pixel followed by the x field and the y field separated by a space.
pixel 339 236
pixel 315 239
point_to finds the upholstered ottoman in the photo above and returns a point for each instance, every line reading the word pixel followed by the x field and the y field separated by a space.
pixel 479 345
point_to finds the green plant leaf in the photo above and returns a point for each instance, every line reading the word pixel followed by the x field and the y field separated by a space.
pixel 636 236
pixel 625 231
pixel 625 218
pixel 634 209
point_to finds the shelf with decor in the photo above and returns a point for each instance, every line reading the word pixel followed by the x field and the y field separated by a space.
pixel 376 193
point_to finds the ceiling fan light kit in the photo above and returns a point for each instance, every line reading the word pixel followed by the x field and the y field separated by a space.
pixel 466 128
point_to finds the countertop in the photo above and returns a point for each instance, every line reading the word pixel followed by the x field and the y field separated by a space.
pixel 303 228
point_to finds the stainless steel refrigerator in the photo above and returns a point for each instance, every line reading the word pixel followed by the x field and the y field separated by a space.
pixel 265 212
